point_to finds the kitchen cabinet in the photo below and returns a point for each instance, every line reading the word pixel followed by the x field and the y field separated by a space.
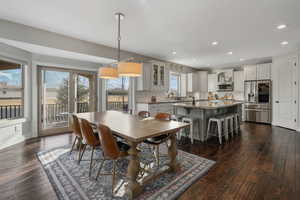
pixel 183 85
pixel 212 82
pixel 257 72
pixel 238 77
pixel 144 81
pixel 203 86
pixel 155 77
pixel 192 82
pixel 250 72
pixel 263 71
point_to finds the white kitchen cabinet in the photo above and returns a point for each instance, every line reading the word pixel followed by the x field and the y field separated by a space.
pixel 203 86
pixel 192 82
pixel 160 76
pixel 250 72
pixel 238 77
pixel 183 85
pixel 155 77
pixel 212 82
pixel 263 71
pixel 144 81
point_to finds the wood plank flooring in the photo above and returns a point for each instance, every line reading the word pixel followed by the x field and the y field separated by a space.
pixel 262 163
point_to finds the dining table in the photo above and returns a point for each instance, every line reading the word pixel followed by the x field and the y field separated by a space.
pixel 135 130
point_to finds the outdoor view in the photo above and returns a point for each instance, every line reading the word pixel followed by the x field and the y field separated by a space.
pixel 117 94
pixel 11 91
pixel 56 97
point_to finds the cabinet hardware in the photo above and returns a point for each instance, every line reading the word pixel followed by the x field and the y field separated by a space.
pixel 276 101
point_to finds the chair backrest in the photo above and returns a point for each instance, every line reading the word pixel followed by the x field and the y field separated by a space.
pixel 144 114
pixel 108 142
pixel 88 133
pixel 163 116
pixel 76 126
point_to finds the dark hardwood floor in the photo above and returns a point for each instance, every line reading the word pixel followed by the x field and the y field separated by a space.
pixel 262 163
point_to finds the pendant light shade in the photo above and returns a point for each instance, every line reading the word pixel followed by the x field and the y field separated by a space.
pixel 129 69
pixel 108 73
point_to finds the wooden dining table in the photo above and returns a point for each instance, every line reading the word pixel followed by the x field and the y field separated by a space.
pixel 135 130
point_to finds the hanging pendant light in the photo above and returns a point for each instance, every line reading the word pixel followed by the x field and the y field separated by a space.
pixel 129 69
pixel 108 73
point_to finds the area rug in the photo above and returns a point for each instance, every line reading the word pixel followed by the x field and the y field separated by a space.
pixel 71 181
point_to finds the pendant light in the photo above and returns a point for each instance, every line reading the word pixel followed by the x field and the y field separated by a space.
pixel 129 69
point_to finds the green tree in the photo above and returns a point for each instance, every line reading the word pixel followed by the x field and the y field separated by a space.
pixel 63 92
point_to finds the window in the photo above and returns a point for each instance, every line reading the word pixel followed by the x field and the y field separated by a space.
pixel 11 91
pixel 117 94
pixel 175 83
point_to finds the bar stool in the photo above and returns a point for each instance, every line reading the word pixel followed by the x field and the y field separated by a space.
pixel 219 122
pixel 228 124
pixel 190 121
pixel 237 123
pixel 177 118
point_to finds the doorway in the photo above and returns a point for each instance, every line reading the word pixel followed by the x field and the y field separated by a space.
pixel 62 92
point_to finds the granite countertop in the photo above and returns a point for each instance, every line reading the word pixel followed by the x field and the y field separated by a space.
pixel 170 101
pixel 179 101
pixel 209 104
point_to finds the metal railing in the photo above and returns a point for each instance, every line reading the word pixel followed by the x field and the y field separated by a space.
pixel 11 111
pixel 117 105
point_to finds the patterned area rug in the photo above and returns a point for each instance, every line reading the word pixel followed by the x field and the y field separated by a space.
pixel 71 181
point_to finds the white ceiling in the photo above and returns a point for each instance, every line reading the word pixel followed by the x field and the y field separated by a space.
pixel 157 27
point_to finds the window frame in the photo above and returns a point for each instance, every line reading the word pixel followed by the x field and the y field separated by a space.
pixel 22 88
pixel 178 83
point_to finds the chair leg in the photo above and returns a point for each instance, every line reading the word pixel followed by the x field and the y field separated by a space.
pixel 91 162
pixel 83 150
pixel 73 144
pixel 100 168
pixel 113 177
pixel 191 132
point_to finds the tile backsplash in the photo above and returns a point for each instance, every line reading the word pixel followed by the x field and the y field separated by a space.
pixel 146 95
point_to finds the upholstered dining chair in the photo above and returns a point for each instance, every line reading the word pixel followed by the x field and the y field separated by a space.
pixel 156 141
pixel 78 135
pixel 144 114
pixel 89 139
pixel 112 149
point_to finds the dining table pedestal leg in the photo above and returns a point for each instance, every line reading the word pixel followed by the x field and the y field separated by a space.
pixel 172 152
pixel 134 188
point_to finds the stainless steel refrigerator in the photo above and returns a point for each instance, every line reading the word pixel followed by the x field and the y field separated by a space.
pixel 258 97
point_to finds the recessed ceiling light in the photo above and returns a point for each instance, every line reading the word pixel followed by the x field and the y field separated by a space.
pixel 281 26
pixel 284 43
pixel 215 43
pixel 242 59
pixel 174 52
pixel 230 53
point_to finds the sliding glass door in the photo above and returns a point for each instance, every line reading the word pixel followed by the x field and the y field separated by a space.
pixel 62 92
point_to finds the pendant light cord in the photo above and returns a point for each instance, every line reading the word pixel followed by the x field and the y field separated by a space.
pixel 119 37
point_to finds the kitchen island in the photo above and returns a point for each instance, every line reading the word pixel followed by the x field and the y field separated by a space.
pixel 201 111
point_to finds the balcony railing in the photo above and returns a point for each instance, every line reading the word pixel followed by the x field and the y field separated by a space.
pixel 11 111
pixel 117 105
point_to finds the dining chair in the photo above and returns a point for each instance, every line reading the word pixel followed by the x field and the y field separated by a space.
pixel 78 135
pixel 144 114
pixel 89 139
pixel 112 149
pixel 158 140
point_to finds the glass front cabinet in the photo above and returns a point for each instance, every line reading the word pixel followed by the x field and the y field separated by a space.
pixel 159 76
